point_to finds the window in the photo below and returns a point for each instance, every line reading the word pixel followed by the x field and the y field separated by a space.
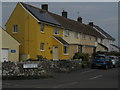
pixel 96 39
pixel 56 31
pixel 15 28
pixel 83 36
pixel 76 34
pixel 65 49
pixel 90 37
pixel 42 47
pixel 67 33
pixel 42 28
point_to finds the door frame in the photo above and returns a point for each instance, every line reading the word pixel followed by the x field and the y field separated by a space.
pixel 54 53
pixel 7 54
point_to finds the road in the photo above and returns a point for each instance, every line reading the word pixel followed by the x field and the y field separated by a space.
pixel 84 78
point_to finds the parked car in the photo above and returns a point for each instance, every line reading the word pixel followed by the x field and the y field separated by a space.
pixel 114 60
pixel 119 61
pixel 102 61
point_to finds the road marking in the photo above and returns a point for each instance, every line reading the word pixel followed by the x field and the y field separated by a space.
pixel 95 77
pixel 87 71
pixel 66 84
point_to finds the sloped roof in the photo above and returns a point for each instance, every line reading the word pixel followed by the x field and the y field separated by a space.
pixel 40 14
pixel 115 46
pixel 61 40
pixel 69 24
pixel 75 26
pixel 105 33
pixel 103 46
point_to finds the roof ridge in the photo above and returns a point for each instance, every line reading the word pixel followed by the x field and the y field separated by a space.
pixel 32 6
pixel 50 12
pixel 70 23
pixel 105 32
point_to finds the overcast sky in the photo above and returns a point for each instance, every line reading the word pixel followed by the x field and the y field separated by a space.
pixel 103 14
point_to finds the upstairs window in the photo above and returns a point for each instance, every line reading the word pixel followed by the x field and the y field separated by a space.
pixel 56 31
pixel 67 33
pixel 76 34
pixel 83 36
pixel 90 37
pixel 42 47
pixel 15 28
pixel 42 28
pixel 65 49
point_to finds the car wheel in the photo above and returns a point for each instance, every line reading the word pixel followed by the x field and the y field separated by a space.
pixel 114 66
pixel 92 67
pixel 106 66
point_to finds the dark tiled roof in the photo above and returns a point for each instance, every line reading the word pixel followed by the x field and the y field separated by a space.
pixel 40 14
pixel 69 24
pixel 103 32
pixel 61 40
pixel 103 46
pixel 76 26
pixel 115 46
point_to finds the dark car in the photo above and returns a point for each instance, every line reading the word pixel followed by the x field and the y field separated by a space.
pixel 119 61
pixel 102 61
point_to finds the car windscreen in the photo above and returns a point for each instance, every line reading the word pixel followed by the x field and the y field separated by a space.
pixel 112 58
pixel 100 57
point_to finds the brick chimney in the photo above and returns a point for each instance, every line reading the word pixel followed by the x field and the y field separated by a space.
pixel 64 13
pixel 91 24
pixel 79 19
pixel 45 7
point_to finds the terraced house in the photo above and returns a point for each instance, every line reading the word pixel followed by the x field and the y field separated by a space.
pixel 41 32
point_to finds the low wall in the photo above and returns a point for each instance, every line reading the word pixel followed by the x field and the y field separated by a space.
pixel 39 68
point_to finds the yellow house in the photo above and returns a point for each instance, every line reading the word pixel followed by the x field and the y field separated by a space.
pixel 38 33
pixel 81 37
pixel 41 32
pixel 9 48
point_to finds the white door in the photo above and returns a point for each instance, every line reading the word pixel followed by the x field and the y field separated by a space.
pixel 4 55
pixel 55 53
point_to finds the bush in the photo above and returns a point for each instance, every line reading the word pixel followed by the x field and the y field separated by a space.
pixel 83 56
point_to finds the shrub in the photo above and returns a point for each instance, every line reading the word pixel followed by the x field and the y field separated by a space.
pixel 83 56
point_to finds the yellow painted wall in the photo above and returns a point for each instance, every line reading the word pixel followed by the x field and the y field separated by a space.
pixel 100 48
pixel 10 43
pixel 30 37
pixel 73 50
pixel 0 43
pixel 89 50
pixel 72 40
pixel 87 40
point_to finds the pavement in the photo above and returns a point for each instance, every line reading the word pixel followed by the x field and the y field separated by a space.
pixel 84 78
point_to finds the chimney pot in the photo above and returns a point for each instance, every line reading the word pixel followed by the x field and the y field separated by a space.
pixel 91 24
pixel 79 19
pixel 45 7
pixel 64 13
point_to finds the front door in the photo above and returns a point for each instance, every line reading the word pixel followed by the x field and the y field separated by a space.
pixel 55 53
pixel 4 55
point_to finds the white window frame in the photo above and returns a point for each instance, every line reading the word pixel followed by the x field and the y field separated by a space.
pixel 67 33
pixel 83 36
pixel 90 37
pixel 42 27
pixel 66 49
pixel 42 47
pixel 76 35
pixel 56 30
pixel 15 28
